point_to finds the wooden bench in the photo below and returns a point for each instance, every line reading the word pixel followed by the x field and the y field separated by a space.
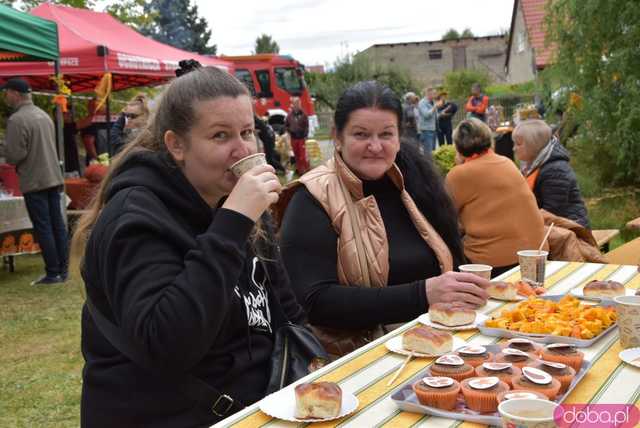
pixel 625 254
pixel 604 236
pixel 634 224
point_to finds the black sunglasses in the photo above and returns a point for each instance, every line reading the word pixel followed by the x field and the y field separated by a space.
pixel 131 115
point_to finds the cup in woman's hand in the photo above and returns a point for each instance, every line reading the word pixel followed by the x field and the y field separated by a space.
pixel 245 164
pixel 483 271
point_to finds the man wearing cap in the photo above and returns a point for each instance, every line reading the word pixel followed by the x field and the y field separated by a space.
pixel 30 146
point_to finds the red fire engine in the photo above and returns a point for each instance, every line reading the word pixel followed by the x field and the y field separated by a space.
pixel 273 79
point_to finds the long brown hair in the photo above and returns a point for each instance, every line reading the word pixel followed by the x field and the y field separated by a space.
pixel 175 112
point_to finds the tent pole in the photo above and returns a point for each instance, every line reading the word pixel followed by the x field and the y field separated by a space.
pixel 110 149
pixel 60 141
pixel 59 122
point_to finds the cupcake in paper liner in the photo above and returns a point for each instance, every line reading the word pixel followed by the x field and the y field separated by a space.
pixel 481 393
pixel 452 366
pixel 474 355
pixel 563 353
pixel 440 392
pixel 503 371
pixel 537 380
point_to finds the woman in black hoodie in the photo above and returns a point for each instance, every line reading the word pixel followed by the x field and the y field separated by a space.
pixel 169 257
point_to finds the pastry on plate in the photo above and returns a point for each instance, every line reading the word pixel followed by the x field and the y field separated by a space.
pixel 318 400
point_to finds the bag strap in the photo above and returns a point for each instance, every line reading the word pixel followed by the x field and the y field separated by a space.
pixel 355 226
pixel 194 388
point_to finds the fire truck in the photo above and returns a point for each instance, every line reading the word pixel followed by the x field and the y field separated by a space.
pixel 273 79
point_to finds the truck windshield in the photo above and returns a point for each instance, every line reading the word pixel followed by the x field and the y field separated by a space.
pixel 289 80
pixel 245 77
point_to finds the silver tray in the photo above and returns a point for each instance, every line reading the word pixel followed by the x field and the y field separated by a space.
pixel 547 338
pixel 406 399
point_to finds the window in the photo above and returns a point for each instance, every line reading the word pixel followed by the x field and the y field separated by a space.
pixel 264 80
pixel 520 41
pixel 435 54
pixel 289 79
pixel 244 76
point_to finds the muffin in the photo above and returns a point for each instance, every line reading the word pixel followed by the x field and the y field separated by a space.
pixel 451 366
pixel 439 392
pixel 516 357
pixel 524 345
pixel 563 353
pixel 533 379
pixel 503 371
pixel 481 393
pixel 474 355
pixel 520 394
pixel 560 371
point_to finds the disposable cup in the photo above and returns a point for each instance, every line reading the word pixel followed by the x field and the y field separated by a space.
pixel 245 164
pixel 527 413
pixel 628 308
pixel 532 266
pixel 483 271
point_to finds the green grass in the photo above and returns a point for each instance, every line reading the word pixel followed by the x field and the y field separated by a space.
pixel 40 359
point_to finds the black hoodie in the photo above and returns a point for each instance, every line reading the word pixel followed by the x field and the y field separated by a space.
pixel 182 281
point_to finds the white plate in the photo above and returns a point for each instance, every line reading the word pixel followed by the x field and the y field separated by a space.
pixel 517 299
pixel 426 320
pixel 631 356
pixel 579 293
pixel 395 345
pixel 282 405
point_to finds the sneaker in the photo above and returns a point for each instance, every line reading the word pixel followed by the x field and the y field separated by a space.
pixel 48 280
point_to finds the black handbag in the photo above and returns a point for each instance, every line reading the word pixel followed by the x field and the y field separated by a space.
pixel 296 351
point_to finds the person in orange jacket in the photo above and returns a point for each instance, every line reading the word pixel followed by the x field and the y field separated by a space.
pixel 477 103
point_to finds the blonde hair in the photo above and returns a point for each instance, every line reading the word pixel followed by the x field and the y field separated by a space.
pixel 175 112
pixel 142 101
pixel 472 136
pixel 534 133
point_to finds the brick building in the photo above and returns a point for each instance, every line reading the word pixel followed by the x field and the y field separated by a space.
pixel 427 62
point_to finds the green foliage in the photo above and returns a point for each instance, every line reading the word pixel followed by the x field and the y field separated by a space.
pixel 327 87
pixel 467 33
pixel 132 13
pixel 502 89
pixel 27 5
pixel 597 60
pixel 458 83
pixel 451 34
pixel 445 158
pixel 177 23
pixel 266 44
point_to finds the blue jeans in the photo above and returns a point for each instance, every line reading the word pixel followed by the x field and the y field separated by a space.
pixel 428 140
pixel 49 229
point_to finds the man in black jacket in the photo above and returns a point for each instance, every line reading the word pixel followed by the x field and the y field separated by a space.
pixel 268 138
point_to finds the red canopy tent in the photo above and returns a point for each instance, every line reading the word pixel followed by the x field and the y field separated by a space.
pixel 94 43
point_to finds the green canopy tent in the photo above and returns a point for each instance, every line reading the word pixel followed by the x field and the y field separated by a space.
pixel 25 37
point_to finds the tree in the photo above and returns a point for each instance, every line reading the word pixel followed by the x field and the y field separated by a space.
pixel 327 87
pixel 27 5
pixel 467 33
pixel 177 23
pixel 458 83
pixel 265 44
pixel 131 12
pixel 451 34
pixel 595 45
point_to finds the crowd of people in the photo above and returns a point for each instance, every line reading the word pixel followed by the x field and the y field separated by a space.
pixel 184 264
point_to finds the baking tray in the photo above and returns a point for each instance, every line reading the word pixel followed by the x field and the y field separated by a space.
pixel 406 399
pixel 547 338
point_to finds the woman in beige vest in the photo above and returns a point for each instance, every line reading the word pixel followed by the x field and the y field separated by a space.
pixel 371 238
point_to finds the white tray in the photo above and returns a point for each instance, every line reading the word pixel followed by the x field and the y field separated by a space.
pixel 406 399
pixel 426 320
pixel 579 293
pixel 282 404
pixel 547 338
pixel 395 345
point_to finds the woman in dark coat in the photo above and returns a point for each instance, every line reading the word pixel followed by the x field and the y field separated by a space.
pixel 545 164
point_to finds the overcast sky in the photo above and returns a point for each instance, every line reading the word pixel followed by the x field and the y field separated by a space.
pixel 319 31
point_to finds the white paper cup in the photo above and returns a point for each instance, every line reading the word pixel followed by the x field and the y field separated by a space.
pixel 483 271
pixel 628 308
pixel 245 164
pixel 527 413
pixel 532 266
